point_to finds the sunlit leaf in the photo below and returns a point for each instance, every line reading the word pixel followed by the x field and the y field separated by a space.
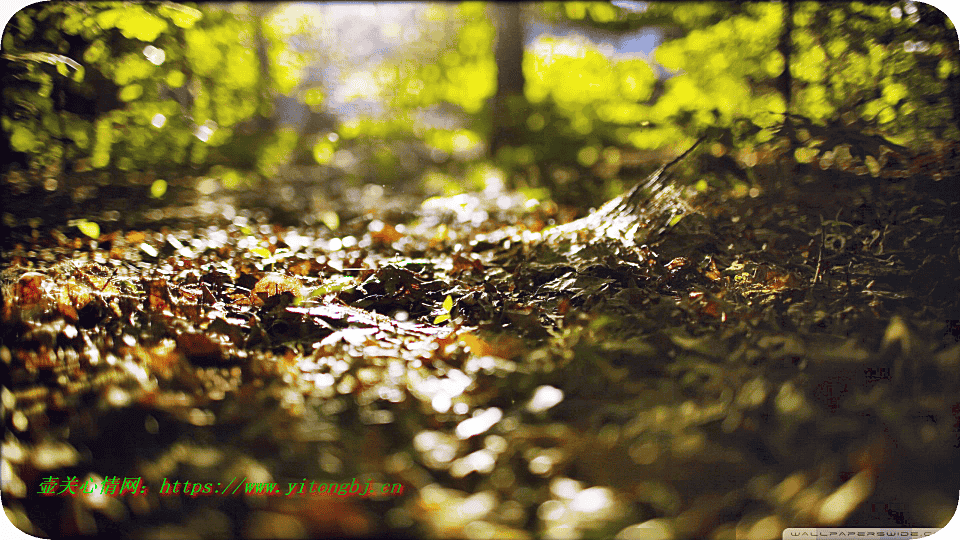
pixel 262 252
pixel 447 306
pixel 158 188
pixel 897 332
pixel 89 228
pixel 323 152
pixel 181 15
pixel 588 155
pixel 602 12
pixel 175 79
pixel 330 219
pixel 131 92
pixel 576 10
pixel 23 139
pixel 136 22
pixel 894 92
pixel 108 19
pixel 313 97
pixel 337 284
pixel 944 68
pixel 274 283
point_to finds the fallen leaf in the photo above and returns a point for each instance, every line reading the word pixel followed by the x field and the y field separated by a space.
pixel 199 347
pixel 29 287
pixel 273 284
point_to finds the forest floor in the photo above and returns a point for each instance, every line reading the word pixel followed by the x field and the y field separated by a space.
pixel 772 359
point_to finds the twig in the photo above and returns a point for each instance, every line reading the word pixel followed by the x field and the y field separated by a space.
pixel 823 239
pixel 849 265
pixel 107 282
pixel 684 154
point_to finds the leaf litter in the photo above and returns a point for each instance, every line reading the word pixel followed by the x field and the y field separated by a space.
pixel 712 368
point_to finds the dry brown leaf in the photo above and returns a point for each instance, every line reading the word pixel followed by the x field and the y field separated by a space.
pixel 29 288
pixel 273 284
pixel 196 346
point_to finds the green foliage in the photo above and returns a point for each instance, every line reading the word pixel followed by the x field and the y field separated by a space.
pixel 286 65
pixel 451 67
pixel 863 76
pixel 682 16
pixel 853 62
pixel 98 104
pixel 725 73
pixel 574 74
pixel 62 63
pixel 125 86
pixel 277 152
pixel 144 86
pixel 465 75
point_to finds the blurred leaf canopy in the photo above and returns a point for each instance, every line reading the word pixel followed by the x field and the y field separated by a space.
pixel 183 89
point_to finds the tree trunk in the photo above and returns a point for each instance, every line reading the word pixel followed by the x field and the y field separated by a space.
pixel 264 123
pixel 787 163
pixel 785 47
pixel 509 99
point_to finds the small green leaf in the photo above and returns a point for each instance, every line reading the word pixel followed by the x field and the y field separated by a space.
pixel 330 219
pixel 447 306
pixel 263 252
pixel 89 228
